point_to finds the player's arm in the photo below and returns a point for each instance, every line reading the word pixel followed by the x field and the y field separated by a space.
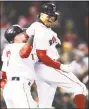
pixel 42 44
pixel 3 76
pixel 27 48
pixel 4 65
pixel 47 60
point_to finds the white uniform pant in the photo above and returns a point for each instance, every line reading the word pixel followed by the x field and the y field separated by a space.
pixel 51 79
pixel 17 94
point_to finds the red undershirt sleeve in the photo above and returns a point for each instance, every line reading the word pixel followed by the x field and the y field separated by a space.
pixel 27 48
pixel 25 51
pixel 47 60
pixel 3 75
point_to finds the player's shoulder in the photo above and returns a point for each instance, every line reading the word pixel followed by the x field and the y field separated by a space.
pixel 34 25
pixel 17 45
pixel 32 28
pixel 13 46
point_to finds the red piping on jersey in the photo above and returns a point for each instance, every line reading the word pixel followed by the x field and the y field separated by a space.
pixel 25 51
pixel 47 60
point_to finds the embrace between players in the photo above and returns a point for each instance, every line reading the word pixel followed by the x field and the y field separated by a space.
pixel 30 57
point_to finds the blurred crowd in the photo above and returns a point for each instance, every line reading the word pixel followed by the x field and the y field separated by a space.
pixel 72 30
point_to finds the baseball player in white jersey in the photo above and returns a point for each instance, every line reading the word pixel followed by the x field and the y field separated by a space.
pixel 50 72
pixel 20 72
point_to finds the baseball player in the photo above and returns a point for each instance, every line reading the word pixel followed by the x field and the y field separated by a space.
pixel 50 72
pixel 19 72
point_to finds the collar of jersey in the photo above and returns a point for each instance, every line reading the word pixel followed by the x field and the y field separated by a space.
pixel 40 21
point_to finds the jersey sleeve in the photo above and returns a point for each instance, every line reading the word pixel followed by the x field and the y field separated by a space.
pixel 4 67
pixel 30 31
pixel 41 40
pixel 4 60
pixel 3 55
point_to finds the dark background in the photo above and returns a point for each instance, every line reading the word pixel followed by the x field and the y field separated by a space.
pixel 71 27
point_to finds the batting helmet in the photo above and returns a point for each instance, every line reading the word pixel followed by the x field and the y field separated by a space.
pixel 49 9
pixel 12 31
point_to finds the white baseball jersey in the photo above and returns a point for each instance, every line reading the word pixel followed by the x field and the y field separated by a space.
pixel 14 65
pixel 44 39
pixel 52 52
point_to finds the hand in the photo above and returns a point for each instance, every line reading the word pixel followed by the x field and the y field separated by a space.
pixel 66 68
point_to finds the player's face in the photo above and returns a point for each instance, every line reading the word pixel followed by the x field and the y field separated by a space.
pixel 21 38
pixel 50 21
pixel 47 20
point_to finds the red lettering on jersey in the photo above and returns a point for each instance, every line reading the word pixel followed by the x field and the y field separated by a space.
pixel 8 53
pixel 53 40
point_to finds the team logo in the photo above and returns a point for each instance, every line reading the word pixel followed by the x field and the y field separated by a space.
pixel 53 40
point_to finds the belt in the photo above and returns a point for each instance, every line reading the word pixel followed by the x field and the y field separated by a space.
pixel 15 78
pixel 18 79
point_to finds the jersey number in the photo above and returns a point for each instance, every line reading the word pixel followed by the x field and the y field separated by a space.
pixel 8 53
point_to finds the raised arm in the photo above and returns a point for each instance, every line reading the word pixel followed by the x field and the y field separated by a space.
pixel 27 48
